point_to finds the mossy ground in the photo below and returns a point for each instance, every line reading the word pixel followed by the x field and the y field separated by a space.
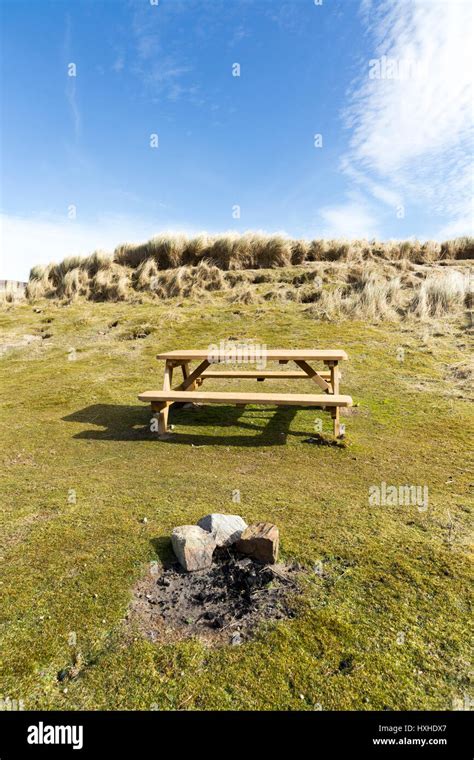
pixel 386 624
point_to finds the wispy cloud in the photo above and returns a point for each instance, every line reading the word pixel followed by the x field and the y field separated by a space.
pixel 71 80
pixel 119 64
pixel 352 219
pixel 168 39
pixel 161 61
pixel 411 110
pixel 74 108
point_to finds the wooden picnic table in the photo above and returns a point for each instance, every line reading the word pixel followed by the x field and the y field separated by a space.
pixel 187 390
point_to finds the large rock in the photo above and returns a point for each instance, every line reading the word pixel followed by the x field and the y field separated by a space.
pixel 226 529
pixel 260 542
pixel 193 547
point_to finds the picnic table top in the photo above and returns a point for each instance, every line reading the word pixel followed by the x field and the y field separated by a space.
pixel 295 354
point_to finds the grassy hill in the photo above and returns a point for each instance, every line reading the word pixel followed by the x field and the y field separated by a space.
pixel 384 621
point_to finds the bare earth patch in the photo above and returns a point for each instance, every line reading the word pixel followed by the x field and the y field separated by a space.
pixel 18 342
pixel 223 604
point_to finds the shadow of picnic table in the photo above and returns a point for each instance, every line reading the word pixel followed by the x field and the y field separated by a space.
pixel 121 422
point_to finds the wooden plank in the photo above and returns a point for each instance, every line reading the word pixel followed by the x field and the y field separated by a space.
pixel 163 412
pixel 190 379
pixel 284 355
pixel 254 373
pixel 335 387
pixel 168 376
pixel 214 397
pixel 313 375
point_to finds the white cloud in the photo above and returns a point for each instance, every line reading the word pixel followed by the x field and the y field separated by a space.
pixel 348 220
pixel 26 241
pixel 412 127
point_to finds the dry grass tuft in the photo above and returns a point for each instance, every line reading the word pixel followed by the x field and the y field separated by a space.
pixel 110 284
pixel 441 294
pixel 96 261
pixel 459 248
pixel 36 272
pixel 76 282
pixel 340 279
pixel 186 281
pixel 145 275
pixel 244 294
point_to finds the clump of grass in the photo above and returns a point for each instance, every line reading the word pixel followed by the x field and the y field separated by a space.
pixel 309 292
pixel 299 251
pixel 96 261
pixel 111 284
pixel 459 248
pixel 281 293
pixel 274 251
pixel 131 254
pixel 57 272
pixel 195 250
pixel 221 252
pixel 75 283
pixel 40 285
pixel 329 305
pixel 244 294
pixel 166 250
pixel 36 272
pixel 185 281
pixel 238 277
pixel 441 294
pixel 377 298
pixel 145 275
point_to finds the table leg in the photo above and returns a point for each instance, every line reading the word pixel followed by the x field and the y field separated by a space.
pixel 191 380
pixel 333 366
pixel 162 409
pixel 185 370
pixel 313 375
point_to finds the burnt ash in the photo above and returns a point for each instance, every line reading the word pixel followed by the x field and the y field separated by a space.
pixel 225 603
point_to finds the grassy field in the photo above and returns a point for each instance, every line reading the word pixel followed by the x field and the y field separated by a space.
pixel 386 624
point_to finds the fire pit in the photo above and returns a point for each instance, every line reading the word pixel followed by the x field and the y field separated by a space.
pixel 223 603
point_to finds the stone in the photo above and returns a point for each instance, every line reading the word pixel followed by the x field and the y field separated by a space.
pixel 260 542
pixel 193 547
pixel 226 529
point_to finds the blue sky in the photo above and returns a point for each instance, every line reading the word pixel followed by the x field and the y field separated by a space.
pixel 385 84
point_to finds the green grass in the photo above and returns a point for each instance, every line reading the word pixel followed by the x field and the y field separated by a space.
pixel 391 573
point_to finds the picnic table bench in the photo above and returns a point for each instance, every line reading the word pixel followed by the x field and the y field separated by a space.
pixel 187 390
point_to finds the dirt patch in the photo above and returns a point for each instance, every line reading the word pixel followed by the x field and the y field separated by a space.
pixel 18 342
pixel 354 411
pixel 222 605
